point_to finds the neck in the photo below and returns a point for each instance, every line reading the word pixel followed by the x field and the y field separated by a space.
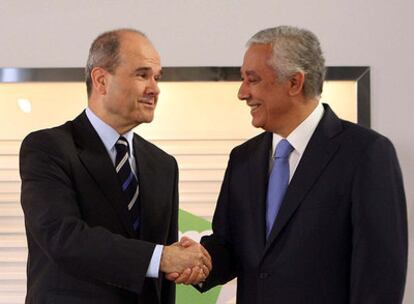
pixel 96 108
pixel 299 113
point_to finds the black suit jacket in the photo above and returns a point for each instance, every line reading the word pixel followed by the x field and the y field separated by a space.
pixel 82 248
pixel 340 235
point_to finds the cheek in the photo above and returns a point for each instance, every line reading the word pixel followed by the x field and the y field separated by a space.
pixel 263 92
pixel 138 88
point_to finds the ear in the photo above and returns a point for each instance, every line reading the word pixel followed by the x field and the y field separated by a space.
pixel 99 80
pixel 296 83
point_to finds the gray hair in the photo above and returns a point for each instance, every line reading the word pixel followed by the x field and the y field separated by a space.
pixel 104 53
pixel 295 50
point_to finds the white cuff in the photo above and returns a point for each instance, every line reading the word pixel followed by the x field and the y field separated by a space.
pixel 154 265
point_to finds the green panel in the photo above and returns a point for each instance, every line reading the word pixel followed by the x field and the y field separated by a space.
pixel 190 295
pixel 188 221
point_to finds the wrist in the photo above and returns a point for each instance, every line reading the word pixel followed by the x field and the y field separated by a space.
pixel 165 257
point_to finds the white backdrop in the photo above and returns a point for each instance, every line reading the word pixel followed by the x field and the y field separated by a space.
pixel 213 33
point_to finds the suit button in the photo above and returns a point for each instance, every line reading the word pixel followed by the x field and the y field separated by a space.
pixel 263 275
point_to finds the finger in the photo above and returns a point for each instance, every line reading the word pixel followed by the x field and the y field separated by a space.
pixel 183 276
pixel 207 261
pixel 172 276
pixel 201 278
pixel 206 271
pixel 196 276
pixel 193 276
pixel 205 252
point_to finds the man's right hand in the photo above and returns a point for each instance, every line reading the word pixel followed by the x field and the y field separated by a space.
pixel 176 259
pixel 197 273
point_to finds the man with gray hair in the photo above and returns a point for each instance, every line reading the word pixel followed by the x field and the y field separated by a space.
pixel 313 209
pixel 100 202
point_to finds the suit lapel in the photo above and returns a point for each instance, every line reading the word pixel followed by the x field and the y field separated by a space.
pixel 258 178
pixel 97 162
pixel 319 151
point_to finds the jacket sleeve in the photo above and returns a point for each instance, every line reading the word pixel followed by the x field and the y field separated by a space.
pixel 168 287
pixel 379 227
pixel 54 221
pixel 219 244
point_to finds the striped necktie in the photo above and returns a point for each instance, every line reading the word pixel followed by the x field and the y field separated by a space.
pixel 127 179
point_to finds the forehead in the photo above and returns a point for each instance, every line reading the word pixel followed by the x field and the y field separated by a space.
pixel 257 57
pixel 138 50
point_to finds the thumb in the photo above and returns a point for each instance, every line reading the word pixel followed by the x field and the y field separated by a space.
pixel 172 276
pixel 186 241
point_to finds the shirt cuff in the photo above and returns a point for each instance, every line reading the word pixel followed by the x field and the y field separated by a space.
pixel 154 265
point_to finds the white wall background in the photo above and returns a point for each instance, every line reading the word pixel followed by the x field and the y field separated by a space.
pixel 377 33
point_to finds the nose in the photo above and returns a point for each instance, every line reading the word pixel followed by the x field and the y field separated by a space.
pixel 243 93
pixel 153 87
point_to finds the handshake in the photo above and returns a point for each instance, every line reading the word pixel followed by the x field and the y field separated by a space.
pixel 185 262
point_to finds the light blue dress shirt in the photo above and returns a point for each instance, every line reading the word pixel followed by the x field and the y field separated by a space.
pixel 109 137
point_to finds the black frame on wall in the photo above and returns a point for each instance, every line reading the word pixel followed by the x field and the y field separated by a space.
pixel 359 74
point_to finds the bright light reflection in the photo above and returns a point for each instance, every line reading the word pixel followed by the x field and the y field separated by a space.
pixel 24 105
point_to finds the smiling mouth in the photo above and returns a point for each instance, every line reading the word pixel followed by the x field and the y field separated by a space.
pixel 148 101
pixel 253 107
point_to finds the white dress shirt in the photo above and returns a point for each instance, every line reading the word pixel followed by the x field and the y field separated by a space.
pixel 109 137
pixel 299 139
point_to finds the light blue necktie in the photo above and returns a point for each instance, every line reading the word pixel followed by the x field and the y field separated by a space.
pixel 278 183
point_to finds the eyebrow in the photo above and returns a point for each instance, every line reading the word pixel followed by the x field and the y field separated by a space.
pixel 147 69
pixel 143 69
pixel 249 73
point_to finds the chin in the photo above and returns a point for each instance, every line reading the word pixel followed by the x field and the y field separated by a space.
pixel 148 119
pixel 257 124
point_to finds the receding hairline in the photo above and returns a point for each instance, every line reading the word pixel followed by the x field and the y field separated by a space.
pixel 142 40
pixel 123 33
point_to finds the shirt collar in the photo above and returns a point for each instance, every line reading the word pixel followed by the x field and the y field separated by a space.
pixel 301 135
pixel 107 134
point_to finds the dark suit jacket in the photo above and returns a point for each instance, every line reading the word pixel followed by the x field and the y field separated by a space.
pixel 340 235
pixel 82 248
